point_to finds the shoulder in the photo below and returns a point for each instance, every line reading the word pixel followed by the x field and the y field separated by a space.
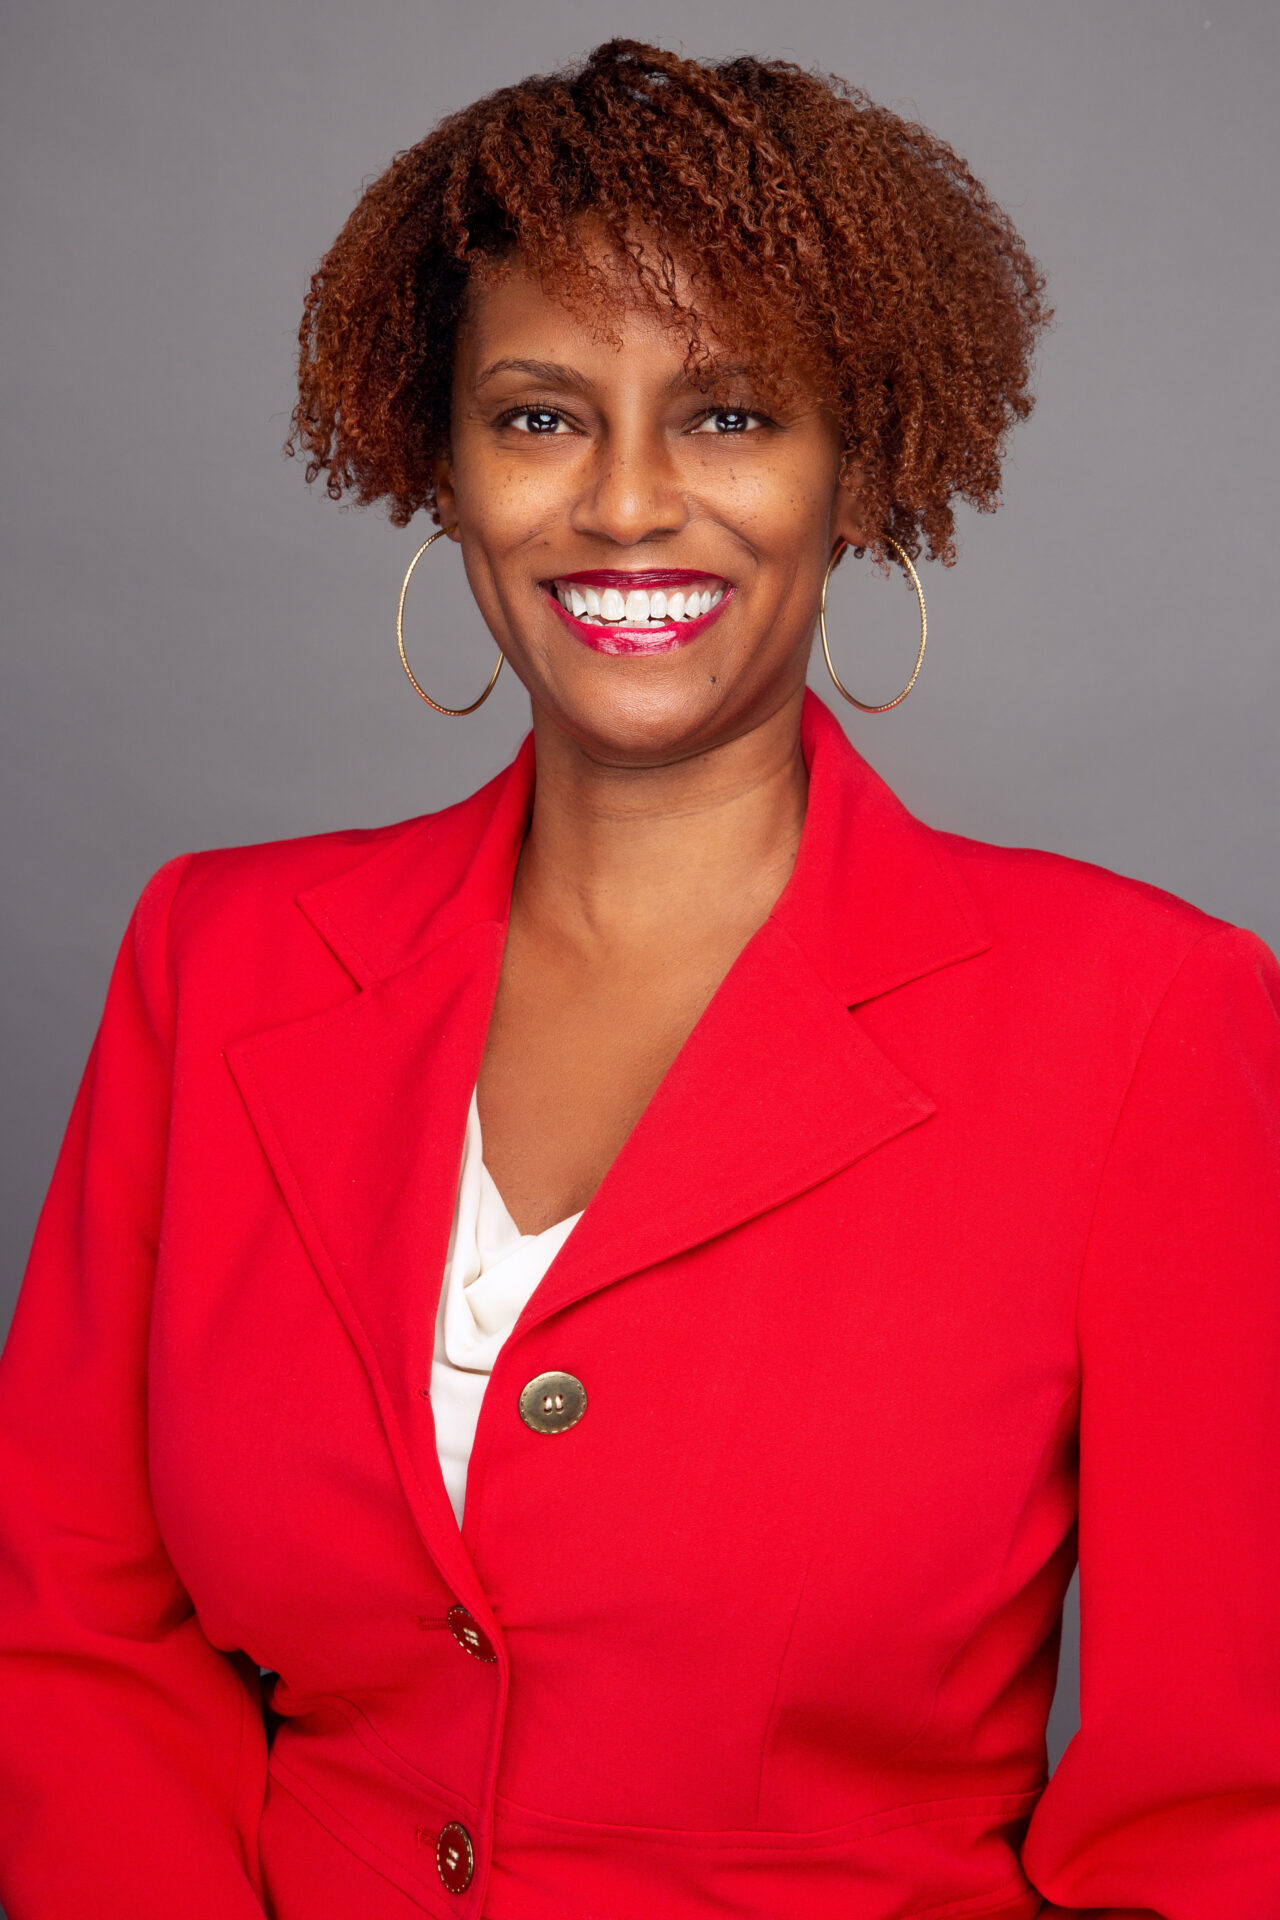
pixel 1028 887
pixel 229 914
pixel 1081 929
pixel 235 887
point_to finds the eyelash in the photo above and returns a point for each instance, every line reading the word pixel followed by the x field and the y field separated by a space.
pixel 513 414
pixel 744 413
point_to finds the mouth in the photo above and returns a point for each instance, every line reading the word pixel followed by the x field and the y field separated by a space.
pixel 641 612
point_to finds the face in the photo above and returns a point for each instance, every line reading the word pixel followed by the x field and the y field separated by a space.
pixel 648 553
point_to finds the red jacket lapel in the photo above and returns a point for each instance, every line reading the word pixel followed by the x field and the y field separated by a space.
pixel 361 1111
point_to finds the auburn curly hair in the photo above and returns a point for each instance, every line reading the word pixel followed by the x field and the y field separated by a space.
pixel 833 233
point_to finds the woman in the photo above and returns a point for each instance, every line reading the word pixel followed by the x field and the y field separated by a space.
pixel 614 1296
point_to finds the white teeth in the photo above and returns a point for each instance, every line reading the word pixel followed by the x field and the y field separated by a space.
pixel 637 608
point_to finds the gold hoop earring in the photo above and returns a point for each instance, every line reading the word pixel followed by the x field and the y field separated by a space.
pixel 924 631
pixel 454 713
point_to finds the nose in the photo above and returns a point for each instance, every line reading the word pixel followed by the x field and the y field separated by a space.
pixel 632 490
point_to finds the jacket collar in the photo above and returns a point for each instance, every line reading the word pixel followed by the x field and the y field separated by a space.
pixel 441 875
pixel 874 900
pixel 361 1109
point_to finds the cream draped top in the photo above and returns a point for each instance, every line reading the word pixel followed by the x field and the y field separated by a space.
pixel 491 1270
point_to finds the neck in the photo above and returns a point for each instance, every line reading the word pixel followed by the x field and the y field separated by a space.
pixel 621 856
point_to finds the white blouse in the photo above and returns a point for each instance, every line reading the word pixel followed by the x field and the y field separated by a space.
pixel 490 1271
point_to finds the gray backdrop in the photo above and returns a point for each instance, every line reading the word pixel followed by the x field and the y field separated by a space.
pixel 197 652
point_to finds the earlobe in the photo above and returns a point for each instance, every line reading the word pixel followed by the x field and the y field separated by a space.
pixel 847 523
pixel 446 501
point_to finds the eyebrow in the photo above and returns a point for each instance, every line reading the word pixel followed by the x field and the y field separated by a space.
pixel 549 371
pixel 554 374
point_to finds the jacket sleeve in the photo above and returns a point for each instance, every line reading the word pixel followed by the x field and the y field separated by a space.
pixel 132 1753
pixel 1167 1802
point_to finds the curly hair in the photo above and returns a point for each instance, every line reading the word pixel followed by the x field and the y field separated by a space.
pixel 835 235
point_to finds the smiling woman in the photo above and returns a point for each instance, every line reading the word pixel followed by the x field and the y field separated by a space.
pixel 576 1340
pixel 828 236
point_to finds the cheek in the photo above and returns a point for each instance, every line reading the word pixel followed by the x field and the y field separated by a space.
pixel 501 503
pixel 777 502
pixel 790 530
pixel 500 498
pixel 504 524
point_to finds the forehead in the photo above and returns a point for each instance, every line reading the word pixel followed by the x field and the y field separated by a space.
pixel 512 313
pixel 636 311
pixel 632 310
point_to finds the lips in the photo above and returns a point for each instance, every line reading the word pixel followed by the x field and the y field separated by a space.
pixel 642 577
pixel 638 612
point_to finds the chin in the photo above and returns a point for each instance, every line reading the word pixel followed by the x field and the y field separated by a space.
pixel 641 717
pixel 644 718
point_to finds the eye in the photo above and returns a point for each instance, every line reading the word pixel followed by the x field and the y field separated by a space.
pixel 536 420
pixel 731 420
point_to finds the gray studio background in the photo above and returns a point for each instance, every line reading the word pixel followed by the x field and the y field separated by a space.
pixel 199 652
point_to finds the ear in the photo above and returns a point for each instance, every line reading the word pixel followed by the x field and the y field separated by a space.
pixel 847 522
pixel 446 498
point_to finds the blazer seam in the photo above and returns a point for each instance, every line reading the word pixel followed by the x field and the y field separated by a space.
pixel 779 1840
pixel 1121 1108
pixel 379 1748
pixel 303 1794
pixel 1210 933
pixel 984 1617
pixel 777 1688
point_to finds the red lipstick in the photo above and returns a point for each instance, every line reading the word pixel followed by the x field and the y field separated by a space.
pixel 616 637
pixel 647 580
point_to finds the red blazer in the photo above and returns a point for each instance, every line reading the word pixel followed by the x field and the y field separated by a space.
pixel 956 1220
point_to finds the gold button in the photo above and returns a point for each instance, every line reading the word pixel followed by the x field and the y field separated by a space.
pixel 455 1857
pixel 553 1402
pixel 469 1634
